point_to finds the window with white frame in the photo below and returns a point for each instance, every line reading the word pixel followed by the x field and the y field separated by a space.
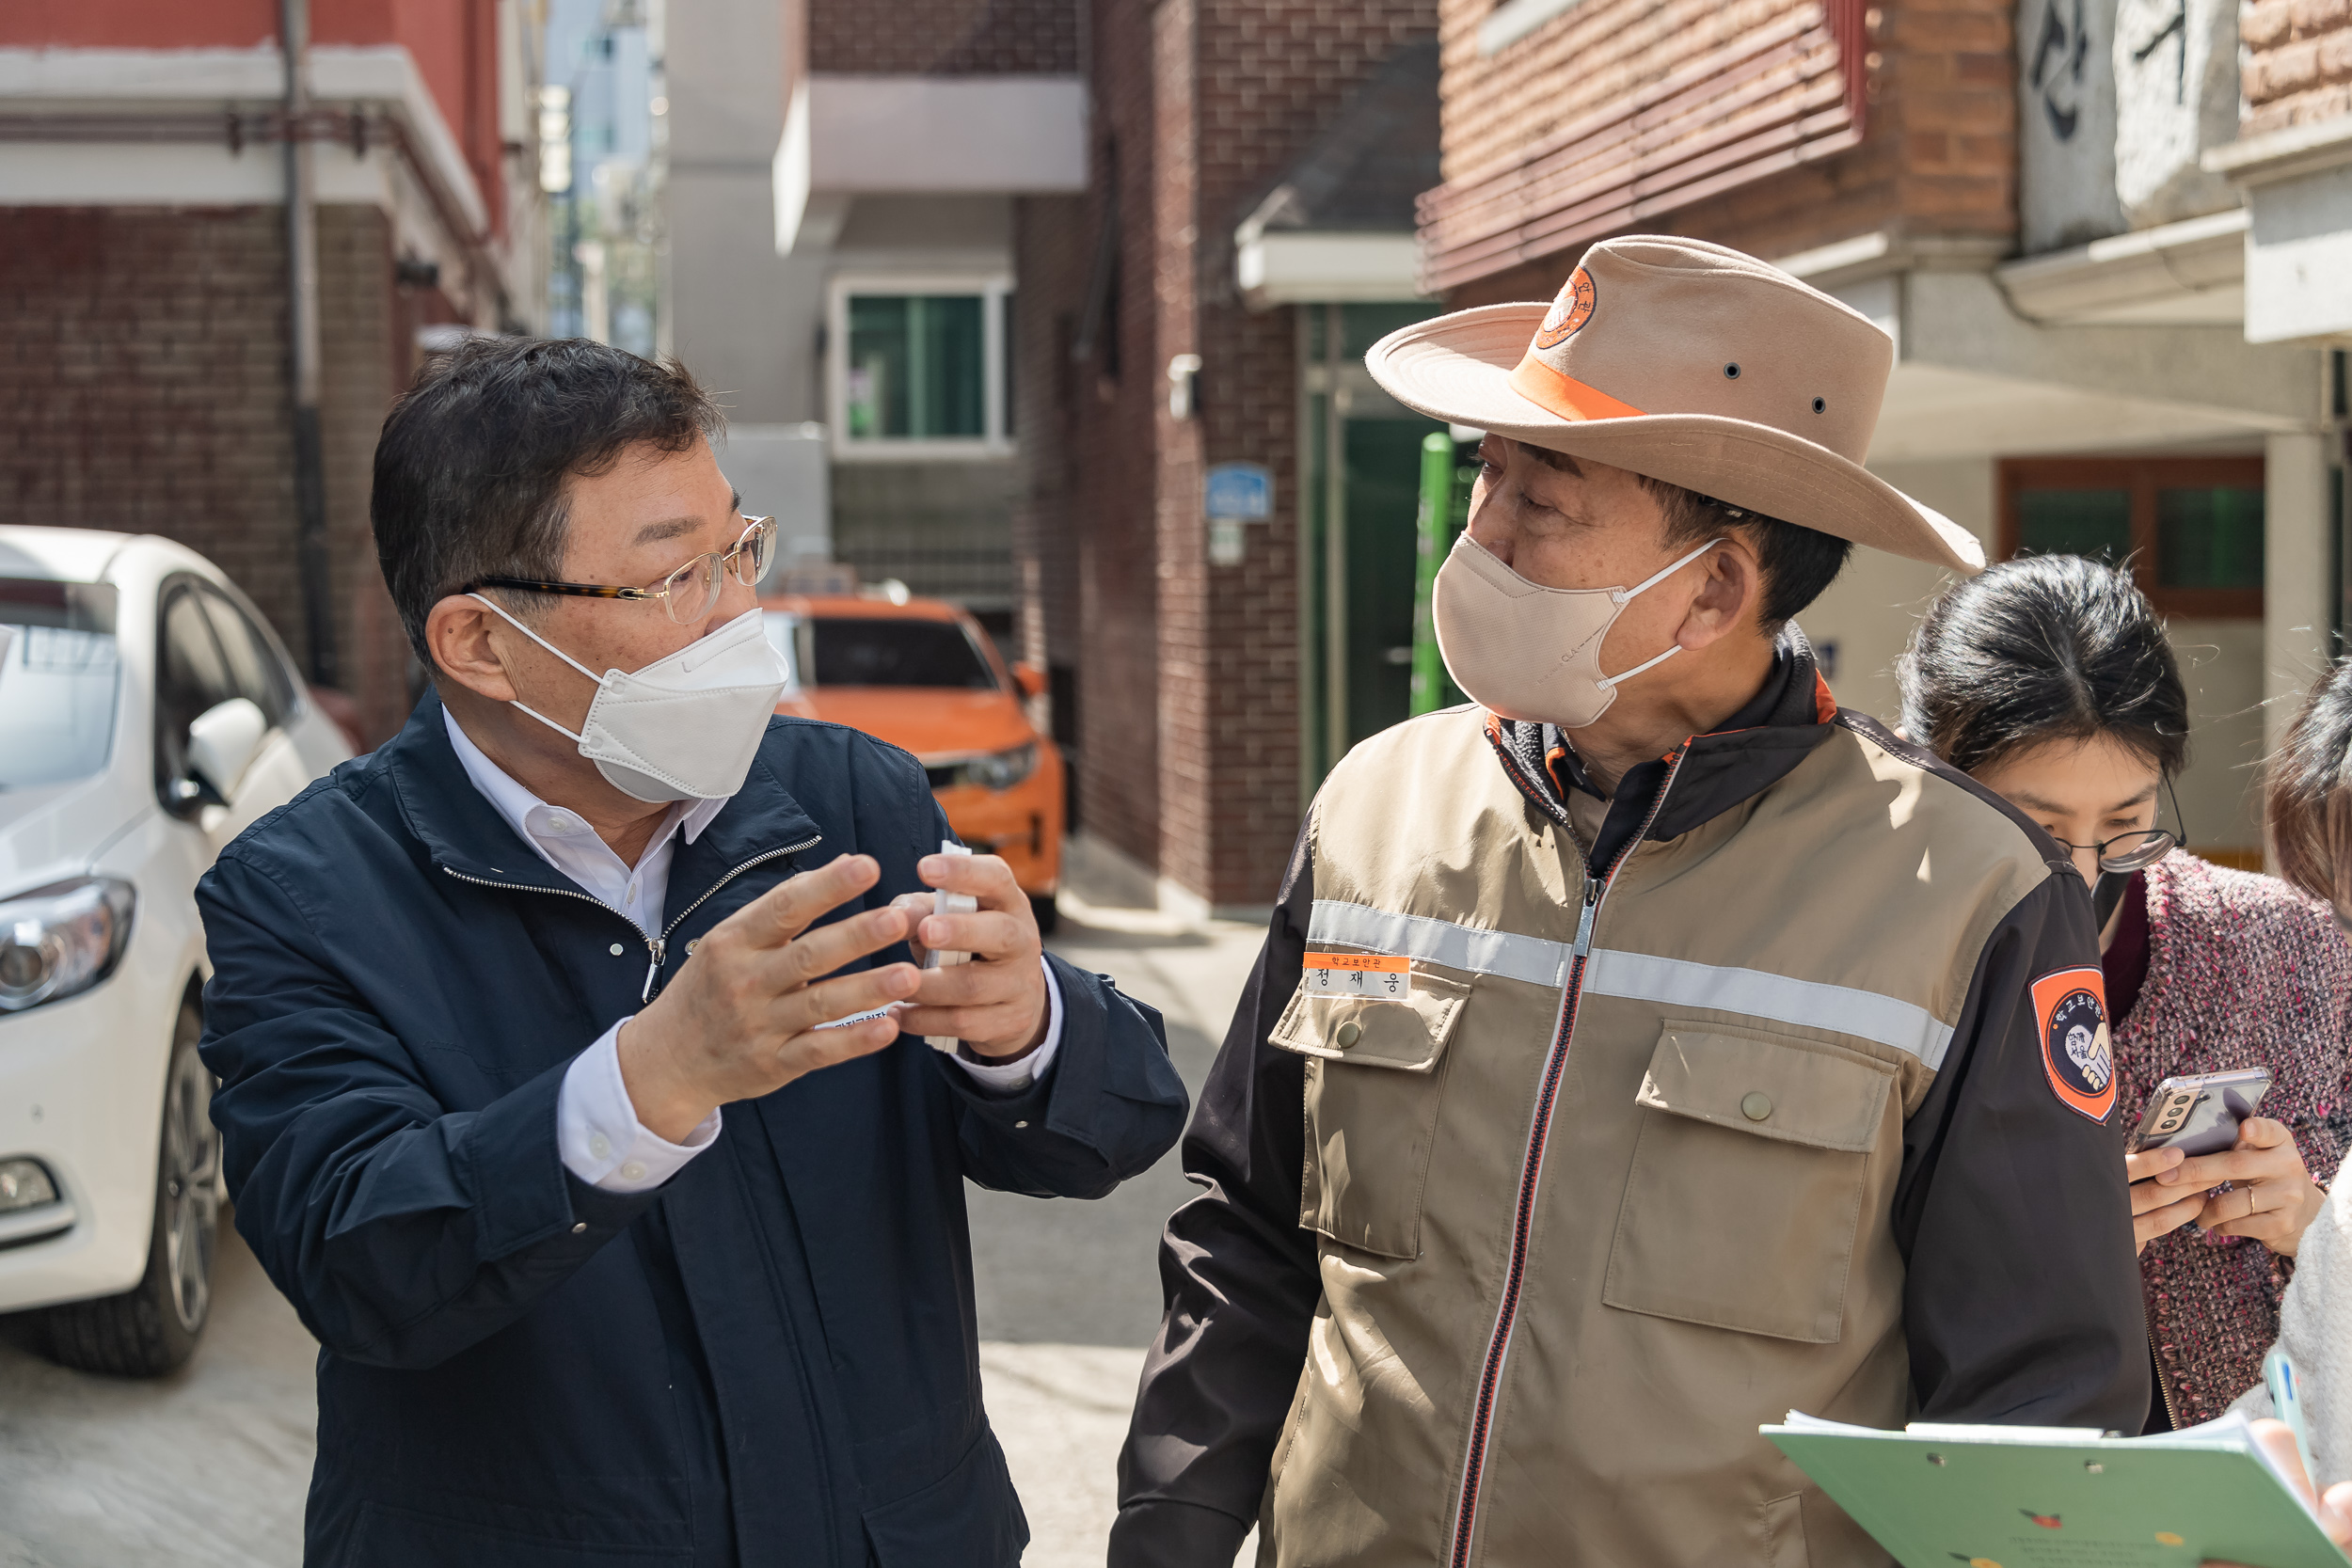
pixel 920 367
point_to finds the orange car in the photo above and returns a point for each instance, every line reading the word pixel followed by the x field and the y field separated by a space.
pixel 922 674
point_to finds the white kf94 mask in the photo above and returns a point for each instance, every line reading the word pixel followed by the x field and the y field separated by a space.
pixel 684 727
pixel 1524 651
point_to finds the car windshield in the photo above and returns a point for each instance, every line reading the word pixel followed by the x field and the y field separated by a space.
pixel 59 680
pixel 893 651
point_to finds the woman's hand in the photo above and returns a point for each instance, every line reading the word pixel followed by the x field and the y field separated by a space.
pixel 2273 1198
pixel 2159 1203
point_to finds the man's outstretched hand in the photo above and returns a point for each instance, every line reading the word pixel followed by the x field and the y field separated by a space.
pixel 740 1017
pixel 997 1003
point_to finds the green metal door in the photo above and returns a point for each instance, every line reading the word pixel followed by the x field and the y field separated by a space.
pixel 1359 550
pixel 1383 501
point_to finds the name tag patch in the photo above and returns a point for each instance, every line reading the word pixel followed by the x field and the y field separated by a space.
pixel 1379 976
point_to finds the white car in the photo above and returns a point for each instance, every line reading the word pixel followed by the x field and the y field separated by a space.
pixel 147 716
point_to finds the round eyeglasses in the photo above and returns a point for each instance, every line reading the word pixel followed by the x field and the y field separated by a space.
pixel 690 593
pixel 2135 851
pixel 2127 852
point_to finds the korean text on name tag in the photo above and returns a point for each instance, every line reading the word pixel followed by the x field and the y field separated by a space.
pixel 1380 975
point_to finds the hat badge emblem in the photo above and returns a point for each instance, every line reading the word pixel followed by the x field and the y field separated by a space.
pixel 1572 310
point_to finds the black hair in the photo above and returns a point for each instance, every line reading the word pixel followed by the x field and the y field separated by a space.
pixel 2308 793
pixel 470 468
pixel 1797 562
pixel 2046 647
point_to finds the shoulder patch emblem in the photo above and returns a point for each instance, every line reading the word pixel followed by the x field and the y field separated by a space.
pixel 2071 1007
pixel 1572 310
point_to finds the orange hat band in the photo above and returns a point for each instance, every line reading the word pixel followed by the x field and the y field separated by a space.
pixel 1566 396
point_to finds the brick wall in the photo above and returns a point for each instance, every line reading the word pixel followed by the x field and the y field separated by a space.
pixel 943 37
pixel 1586 58
pixel 1187 673
pixel 2299 62
pixel 366 354
pixel 1049 247
pixel 1083 539
pixel 1189 828
pixel 1937 159
pixel 1268 75
pixel 143 387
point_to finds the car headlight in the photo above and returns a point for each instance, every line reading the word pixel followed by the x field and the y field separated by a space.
pixel 1003 769
pixel 26 1184
pixel 62 939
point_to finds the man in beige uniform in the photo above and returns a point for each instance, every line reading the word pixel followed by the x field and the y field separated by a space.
pixel 1651 1047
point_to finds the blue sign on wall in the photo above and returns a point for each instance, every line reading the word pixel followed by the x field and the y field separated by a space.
pixel 1242 492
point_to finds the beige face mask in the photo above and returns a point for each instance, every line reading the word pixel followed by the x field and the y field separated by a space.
pixel 1528 652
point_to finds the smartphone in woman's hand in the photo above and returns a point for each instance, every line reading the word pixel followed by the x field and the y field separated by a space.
pixel 2199 1113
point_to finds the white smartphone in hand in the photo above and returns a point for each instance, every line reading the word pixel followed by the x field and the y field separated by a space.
pixel 943 902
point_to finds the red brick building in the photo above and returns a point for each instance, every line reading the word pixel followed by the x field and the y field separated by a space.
pixel 2015 190
pixel 144 382
pixel 1183 680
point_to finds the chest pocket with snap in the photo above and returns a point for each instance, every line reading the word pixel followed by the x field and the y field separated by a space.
pixel 1745 1194
pixel 1375 1070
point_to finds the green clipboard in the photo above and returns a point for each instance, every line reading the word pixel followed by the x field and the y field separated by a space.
pixel 2058 1498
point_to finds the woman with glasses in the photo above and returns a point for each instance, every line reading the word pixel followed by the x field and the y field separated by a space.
pixel 2049 681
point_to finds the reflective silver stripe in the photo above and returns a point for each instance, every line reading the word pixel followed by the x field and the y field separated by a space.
pixel 1639 976
pixel 1678 982
pixel 1440 941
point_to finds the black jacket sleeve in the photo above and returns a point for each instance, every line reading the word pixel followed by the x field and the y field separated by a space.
pixel 1241 1281
pixel 2022 1298
pixel 1107 1108
pixel 402 1232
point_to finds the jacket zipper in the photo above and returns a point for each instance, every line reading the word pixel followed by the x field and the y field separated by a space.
pixel 1530 1176
pixel 656 945
pixel 2164 1389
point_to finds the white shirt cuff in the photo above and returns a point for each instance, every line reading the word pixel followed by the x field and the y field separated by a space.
pixel 1014 1077
pixel 598 1132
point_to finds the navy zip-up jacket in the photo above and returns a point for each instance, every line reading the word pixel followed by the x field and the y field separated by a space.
pixel 771 1359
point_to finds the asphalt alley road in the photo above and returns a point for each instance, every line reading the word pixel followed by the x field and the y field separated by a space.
pixel 207 1468
pixel 1070 1292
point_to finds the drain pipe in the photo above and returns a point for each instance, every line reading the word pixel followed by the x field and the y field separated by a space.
pixel 302 321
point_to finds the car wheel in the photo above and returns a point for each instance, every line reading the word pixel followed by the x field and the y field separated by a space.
pixel 152 1327
pixel 1048 916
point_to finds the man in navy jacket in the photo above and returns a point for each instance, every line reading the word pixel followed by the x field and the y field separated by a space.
pixel 622 1250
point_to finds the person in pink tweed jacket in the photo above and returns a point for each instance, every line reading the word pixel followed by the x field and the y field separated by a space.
pixel 2049 680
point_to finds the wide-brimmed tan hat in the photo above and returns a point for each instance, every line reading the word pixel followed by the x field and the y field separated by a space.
pixel 1693 364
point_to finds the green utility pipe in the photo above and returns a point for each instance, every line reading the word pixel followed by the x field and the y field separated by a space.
pixel 1433 534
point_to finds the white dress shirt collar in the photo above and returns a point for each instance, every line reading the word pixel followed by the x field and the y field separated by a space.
pixel 516 803
pixel 574 848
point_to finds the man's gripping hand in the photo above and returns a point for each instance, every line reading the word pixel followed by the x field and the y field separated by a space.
pixel 740 1020
pixel 997 1003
